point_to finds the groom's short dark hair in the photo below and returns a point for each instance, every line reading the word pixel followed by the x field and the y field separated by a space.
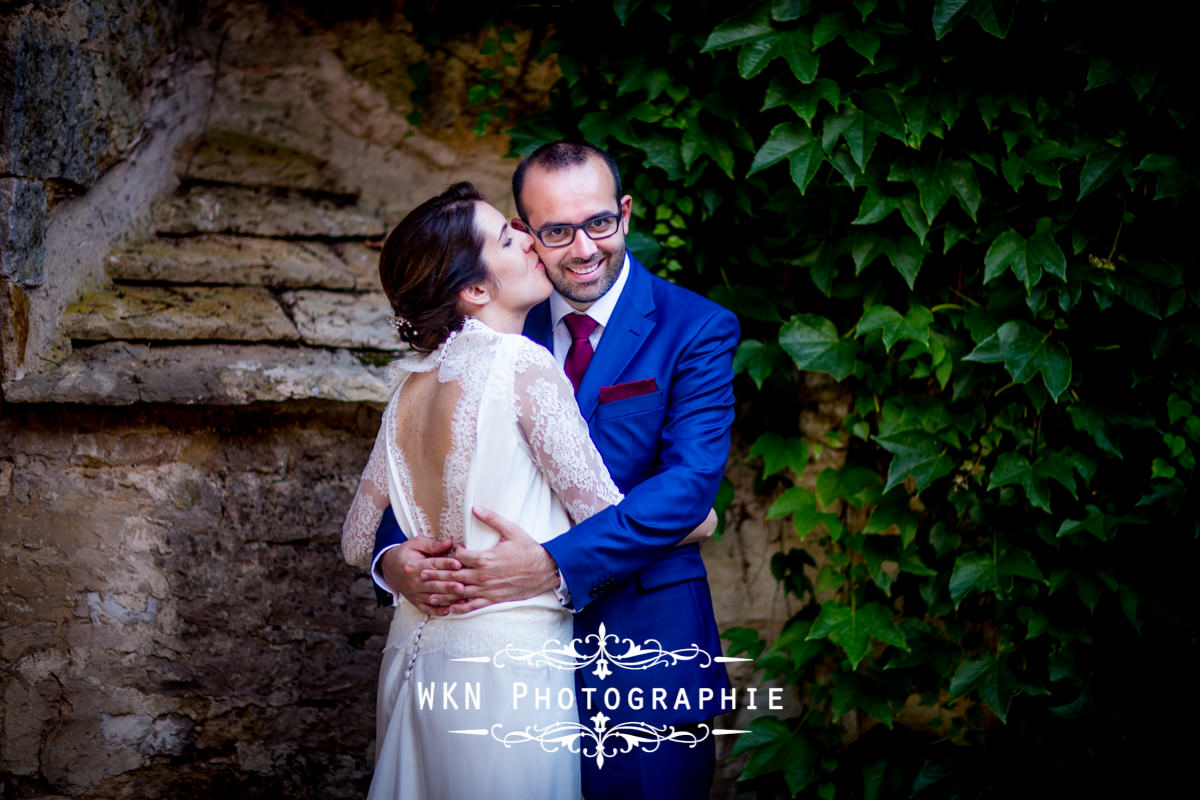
pixel 560 155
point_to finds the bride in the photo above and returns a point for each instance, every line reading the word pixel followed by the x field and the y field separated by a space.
pixel 480 417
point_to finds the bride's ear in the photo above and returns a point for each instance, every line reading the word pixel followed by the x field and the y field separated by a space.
pixel 476 295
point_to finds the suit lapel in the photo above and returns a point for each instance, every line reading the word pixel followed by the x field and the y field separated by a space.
pixel 631 322
pixel 537 325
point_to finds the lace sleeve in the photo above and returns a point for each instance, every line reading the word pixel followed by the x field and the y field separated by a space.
pixel 366 511
pixel 558 436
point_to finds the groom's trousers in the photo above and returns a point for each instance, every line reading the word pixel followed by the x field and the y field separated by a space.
pixel 672 772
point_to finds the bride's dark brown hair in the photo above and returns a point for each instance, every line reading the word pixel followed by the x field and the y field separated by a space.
pixel 433 254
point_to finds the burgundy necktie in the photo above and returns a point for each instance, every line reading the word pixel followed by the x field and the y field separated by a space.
pixel 580 354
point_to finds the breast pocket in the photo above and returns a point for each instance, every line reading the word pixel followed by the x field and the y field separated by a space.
pixel 639 404
pixel 627 432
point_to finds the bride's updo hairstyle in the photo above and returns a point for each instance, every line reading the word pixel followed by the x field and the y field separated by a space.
pixel 433 254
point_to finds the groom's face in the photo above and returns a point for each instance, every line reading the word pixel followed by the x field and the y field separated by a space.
pixel 586 269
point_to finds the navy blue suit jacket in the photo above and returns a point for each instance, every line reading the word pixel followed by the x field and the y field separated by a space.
pixel 666 448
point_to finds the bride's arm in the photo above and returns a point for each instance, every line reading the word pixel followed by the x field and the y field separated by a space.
pixel 558 436
pixel 563 449
pixel 366 510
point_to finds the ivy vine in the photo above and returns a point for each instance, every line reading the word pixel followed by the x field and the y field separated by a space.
pixel 977 217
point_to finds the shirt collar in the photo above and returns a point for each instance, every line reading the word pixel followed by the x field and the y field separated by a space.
pixel 602 309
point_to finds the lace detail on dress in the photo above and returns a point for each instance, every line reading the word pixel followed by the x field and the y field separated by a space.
pixel 466 360
pixel 558 436
pixel 366 510
pixel 403 474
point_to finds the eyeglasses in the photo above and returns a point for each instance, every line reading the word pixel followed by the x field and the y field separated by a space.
pixel 600 227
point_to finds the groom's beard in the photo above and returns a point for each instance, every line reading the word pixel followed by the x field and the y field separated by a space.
pixel 562 276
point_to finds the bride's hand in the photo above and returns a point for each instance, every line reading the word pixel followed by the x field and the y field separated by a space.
pixel 702 531
pixel 405 565
pixel 516 568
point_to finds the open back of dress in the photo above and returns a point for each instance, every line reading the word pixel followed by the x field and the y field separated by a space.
pixel 487 419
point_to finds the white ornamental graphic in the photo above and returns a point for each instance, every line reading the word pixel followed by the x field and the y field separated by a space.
pixel 605 651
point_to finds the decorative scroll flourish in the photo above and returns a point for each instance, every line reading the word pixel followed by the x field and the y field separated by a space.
pixel 600 741
pixel 600 649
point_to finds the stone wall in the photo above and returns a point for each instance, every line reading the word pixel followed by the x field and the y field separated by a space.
pixel 94 96
pixel 175 618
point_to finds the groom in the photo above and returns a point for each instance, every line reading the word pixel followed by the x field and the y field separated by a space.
pixel 652 366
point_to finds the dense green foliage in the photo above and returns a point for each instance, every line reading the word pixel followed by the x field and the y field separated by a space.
pixel 976 216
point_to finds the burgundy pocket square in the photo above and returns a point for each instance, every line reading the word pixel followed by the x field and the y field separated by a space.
pixel 621 391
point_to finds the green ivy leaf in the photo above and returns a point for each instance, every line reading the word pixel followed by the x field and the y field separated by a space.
pixel 855 130
pixel 803 164
pixel 1014 468
pixel 788 10
pixel 906 255
pixel 973 571
pixel 894 515
pixel 1025 352
pixel 1039 162
pixel 754 56
pixel 1097 169
pixel 1025 257
pixel 779 453
pixel 794 640
pixel 947 14
pixel 875 207
pixel 654 81
pixel 1059 466
pixel 814 344
pixel 883 318
pixel 828 28
pixel 858 486
pixel 739 30
pixel 829 579
pixel 1177 408
pixel 599 127
pixel 1101 72
pixel 773 747
pixel 624 8
pixel 879 107
pixel 852 629
pixel 699 140
pixel 803 101
pixel 876 550
pixel 793 141
pixel 1019 562
pixel 851 692
pixel 802 506
pixel 918 454
pixel 664 153
pixel 1088 420
pixel 863 41
pixel 1172 179
pixel 989 679
pixel 756 358
pixel 751 302
pixel 796 48
pixel 744 640
pixel 914 217
pixel 1096 523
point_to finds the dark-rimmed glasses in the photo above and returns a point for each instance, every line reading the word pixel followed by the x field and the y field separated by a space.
pixel 600 227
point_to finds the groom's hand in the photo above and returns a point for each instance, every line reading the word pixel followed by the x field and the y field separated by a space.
pixel 515 569
pixel 404 565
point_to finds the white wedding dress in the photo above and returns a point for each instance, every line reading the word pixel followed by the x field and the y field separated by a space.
pixel 488 419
